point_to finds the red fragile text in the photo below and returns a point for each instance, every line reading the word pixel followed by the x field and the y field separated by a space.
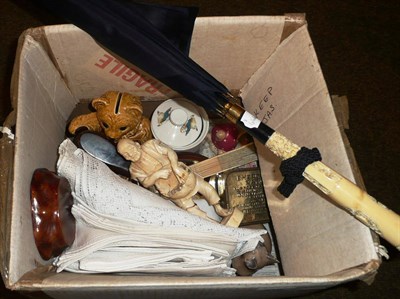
pixel 115 67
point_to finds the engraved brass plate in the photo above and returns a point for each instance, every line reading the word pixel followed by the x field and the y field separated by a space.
pixel 244 189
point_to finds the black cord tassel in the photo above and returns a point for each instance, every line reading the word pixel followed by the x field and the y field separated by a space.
pixel 292 169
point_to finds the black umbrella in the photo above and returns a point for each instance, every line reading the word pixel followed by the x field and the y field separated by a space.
pixel 135 34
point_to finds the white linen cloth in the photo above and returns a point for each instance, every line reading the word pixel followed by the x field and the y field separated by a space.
pixel 122 227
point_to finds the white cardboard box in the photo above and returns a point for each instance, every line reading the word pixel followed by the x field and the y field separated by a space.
pixel 273 62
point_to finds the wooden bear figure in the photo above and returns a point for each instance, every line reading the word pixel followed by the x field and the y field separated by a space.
pixel 118 115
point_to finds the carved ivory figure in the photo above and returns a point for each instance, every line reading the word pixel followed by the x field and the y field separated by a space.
pixel 155 164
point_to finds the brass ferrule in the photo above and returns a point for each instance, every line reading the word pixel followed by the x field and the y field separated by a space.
pixel 233 112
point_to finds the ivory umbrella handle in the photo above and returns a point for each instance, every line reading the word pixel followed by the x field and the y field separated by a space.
pixel 346 194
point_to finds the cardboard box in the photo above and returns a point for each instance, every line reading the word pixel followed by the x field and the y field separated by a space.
pixel 273 62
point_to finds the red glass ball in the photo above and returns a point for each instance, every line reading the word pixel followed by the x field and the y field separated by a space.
pixel 225 136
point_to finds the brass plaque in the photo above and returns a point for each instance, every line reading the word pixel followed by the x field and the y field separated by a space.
pixel 244 189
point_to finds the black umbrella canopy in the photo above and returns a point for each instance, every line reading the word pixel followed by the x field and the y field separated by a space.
pixel 175 23
pixel 151 37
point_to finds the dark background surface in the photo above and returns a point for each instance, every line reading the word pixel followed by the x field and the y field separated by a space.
pixel 358 46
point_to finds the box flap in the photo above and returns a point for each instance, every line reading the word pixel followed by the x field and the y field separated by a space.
pixel 289 93
pixel 89 70
pixel 42 95
pixel 95 70
pixel 6 171
pixel 66 285
pixel 233 48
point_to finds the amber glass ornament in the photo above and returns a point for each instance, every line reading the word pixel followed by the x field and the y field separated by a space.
pixel 53 222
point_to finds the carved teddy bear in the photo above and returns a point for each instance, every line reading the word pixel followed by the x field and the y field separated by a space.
pixel 118 115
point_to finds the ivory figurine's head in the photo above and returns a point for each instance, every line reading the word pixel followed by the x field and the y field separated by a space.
pixel 129 149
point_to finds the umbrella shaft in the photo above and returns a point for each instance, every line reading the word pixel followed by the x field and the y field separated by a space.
pixel 346 194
